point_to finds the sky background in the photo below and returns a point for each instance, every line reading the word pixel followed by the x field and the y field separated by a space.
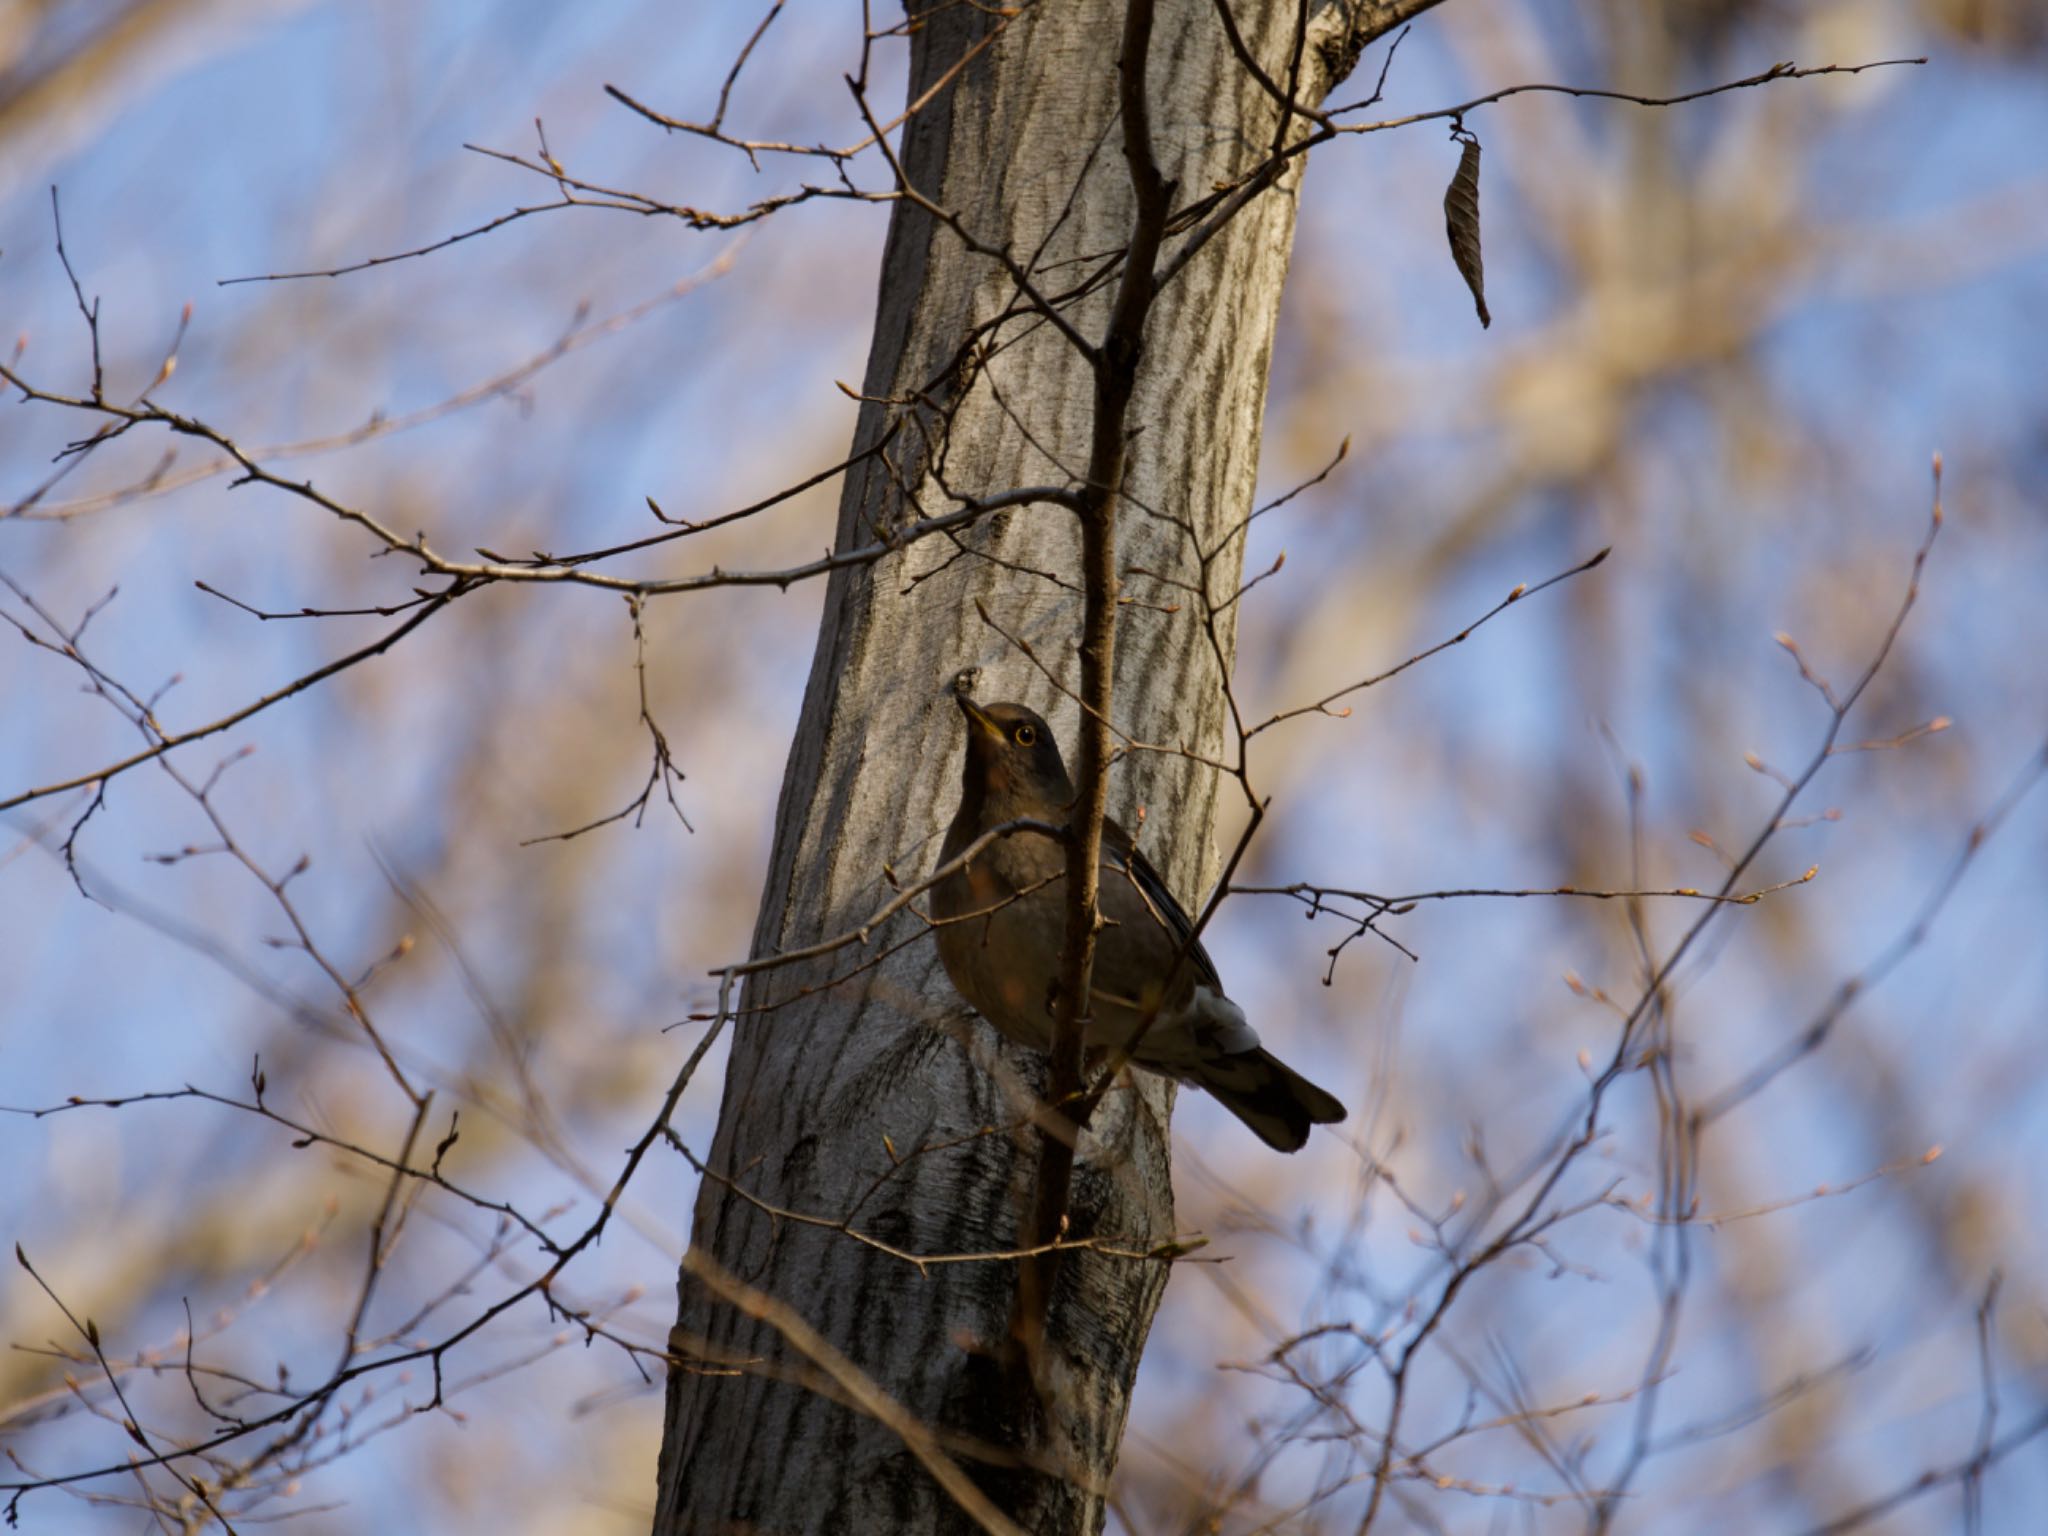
pixel 1728 340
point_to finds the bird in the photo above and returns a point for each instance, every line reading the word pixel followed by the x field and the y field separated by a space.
pixel 1001 924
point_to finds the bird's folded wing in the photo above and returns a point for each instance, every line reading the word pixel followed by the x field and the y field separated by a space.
pixel 1122 854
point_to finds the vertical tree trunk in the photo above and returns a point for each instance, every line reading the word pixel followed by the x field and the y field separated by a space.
pixel 831 1092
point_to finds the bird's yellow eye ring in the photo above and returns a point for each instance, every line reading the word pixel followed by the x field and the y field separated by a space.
pixel 1026 736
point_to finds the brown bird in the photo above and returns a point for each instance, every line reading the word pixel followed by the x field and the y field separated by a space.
pixel 1002 921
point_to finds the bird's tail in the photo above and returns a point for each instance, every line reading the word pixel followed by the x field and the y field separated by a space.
pixel 1277 1102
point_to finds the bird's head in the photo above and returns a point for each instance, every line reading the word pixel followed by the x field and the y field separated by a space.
pixel 1013 763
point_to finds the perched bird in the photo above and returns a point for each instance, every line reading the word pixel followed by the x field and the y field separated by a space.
pixel 1002 921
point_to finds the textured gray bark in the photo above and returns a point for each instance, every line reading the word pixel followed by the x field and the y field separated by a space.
pixel 1024 149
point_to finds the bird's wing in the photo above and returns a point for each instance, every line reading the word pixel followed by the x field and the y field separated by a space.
pixel 1121 852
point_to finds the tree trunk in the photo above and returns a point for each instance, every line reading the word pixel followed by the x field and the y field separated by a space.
pixel 832 1092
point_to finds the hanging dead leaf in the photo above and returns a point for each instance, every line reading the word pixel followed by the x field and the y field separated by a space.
pixel 1461 220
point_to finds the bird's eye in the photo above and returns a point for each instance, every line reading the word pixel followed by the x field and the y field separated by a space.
pixel 1026 736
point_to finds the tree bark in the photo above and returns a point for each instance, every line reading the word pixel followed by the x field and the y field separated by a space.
pixel 833 1094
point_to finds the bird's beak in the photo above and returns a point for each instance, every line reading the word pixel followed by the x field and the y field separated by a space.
pixel 978 716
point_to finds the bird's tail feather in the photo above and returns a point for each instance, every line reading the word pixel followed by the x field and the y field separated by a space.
pixel 1278 1103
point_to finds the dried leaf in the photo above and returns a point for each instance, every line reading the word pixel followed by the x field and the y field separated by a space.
pixel 1461 220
